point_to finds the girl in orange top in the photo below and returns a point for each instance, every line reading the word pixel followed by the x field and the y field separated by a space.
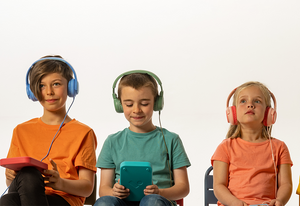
pixel 71 159
pixel 249 163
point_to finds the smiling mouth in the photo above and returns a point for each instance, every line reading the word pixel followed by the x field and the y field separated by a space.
pixel 51 100
pixel 137 117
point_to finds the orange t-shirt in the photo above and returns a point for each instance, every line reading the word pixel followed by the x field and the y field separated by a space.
pixel 74 146
pixel 251 168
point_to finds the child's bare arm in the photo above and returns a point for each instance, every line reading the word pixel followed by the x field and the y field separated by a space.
pixel 221 185
pixel 107 186
pixel 180 189
pixel 285 186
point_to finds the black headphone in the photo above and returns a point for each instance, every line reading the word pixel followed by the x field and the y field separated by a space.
pixel 73 87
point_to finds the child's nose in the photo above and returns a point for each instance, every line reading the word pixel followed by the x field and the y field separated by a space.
pixel 136 109
pixel 49 91
pixel 250 106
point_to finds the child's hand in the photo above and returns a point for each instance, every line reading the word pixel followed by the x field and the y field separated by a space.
pixel 151 189
pixel 10 174
pixel 52 177
pixel 120 191
pixel 276 202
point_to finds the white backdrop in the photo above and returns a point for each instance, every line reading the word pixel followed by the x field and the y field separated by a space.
pixel 201 50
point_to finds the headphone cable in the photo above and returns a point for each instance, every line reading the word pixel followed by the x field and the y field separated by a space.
pixel 168 159
pixel 275 169
pixel 58 130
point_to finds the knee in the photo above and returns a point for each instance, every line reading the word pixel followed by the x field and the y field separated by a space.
pixel 30 175
pixel 150 199
pixel 107 201
pixel 153 199
pixel 29 172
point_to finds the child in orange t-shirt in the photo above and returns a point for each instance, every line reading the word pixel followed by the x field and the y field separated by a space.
pixel 250 167
pixel 65 144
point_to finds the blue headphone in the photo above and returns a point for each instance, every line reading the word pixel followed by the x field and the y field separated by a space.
pixel 73 86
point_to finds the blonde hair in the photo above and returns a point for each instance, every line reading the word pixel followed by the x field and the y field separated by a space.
pixel 235 130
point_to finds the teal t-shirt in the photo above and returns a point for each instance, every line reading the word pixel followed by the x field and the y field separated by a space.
pixel 147 147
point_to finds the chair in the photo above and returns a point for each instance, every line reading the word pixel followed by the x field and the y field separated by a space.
pixel 90 200
pixel 209 196
pixel 179 202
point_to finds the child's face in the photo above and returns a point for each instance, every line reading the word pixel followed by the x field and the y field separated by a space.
pixel 251 106
pixel 138 108
pixel 54 92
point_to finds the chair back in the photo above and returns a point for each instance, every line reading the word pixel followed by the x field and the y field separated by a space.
pixel 209 196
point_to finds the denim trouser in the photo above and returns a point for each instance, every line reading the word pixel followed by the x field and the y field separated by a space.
pixel 148 200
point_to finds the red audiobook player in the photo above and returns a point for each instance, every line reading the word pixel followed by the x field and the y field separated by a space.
pixel 17 163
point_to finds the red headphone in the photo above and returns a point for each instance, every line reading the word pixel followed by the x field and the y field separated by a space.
pixel 269 118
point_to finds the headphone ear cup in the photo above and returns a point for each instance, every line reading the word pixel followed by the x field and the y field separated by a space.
pixel 231 115
pixel 159 103
pixel 72 88
pixel 270 116
pixel 118 105
pixel 30 94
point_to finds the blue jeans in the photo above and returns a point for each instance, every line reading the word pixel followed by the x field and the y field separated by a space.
pixel 148 200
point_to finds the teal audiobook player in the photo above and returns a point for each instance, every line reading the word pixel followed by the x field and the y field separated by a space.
pixel 135 176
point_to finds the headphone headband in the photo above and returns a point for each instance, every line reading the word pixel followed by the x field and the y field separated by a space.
pixel 159 101
pixel 73 86
pixel 137 71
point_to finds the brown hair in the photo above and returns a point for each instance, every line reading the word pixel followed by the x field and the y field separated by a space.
pixel 45 67
pixel 137 81
pixel 235 130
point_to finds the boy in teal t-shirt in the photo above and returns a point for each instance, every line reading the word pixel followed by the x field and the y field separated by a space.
pixel 142 141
